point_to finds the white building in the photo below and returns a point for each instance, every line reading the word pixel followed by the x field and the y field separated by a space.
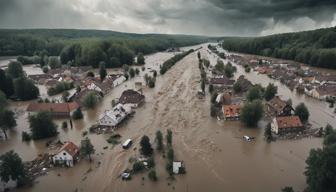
pixel 115 116
pixel 66 155
pixel 94 87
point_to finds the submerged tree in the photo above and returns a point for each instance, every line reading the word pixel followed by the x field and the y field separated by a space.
pixel 86 148
pixel 271 91
pixel 42 126
pixel 302 111
pixel 140 59
pixel 159 141
pixel 146 147
pixel 251 113
pixel 7 121
pixel 11 167
pixel 102 71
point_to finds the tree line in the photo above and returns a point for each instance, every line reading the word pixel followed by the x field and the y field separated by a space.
pixel 316 48
pixel 86 47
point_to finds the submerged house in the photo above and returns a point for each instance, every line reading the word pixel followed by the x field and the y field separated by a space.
pixel 67 155
pixel 324 91
pixel 286 124
pixel 279 107
pixel 111 118
pixel 231 112
pixel 222 82
pixel 55 109
pixel 132 98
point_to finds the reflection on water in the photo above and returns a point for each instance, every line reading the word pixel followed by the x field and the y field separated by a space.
pixel 216 157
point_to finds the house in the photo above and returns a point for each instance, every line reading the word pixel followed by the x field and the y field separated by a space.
pixel 131 97
pixel 286 124
pixel 222 81
pixel 323 79
pixel 231 112
pixel 324 91
pixel 78 96
pixel 178 167
pixel 56 109
pixel 67 155
pixel 224 98
pixel 116 79
pixel 279 107
pixel 112 118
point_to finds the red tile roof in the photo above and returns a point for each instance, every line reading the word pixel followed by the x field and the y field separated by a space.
pixel 53 107
pixel 70 148
pixel 231 110
pixel 289 122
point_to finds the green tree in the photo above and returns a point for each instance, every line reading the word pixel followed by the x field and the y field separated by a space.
pixel 169 137
pixel 140 59
pixel 320 170
pixel 77 114
pixel 159 140
pixel 152 175
pixel 330 139
pixel 15 69
pixel 302 111
pixel 270 92
pixel 7 121
pixel 102 70
pixel 90 100
pixel 251 113
pixel 54 62
pixel 237 87
pixel 131 72
pixel 203 85
pixel 25 89
pixel 86 148
pixel 198 55
pixel 170 154
pixel 146 147
pixel 254 93
pixel 3 100
pixel 42 126
pixel 211 88
pixel 328 130
pixel 268 133
pixel 11 167
pixel 287 189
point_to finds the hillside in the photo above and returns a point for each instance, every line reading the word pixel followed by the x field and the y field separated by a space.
pixel 30 41
pixel 316 48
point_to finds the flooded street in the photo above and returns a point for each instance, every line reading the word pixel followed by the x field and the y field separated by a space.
pixel 216 157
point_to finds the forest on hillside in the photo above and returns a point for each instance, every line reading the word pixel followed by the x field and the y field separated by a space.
pixel 86 47
pixel 316 48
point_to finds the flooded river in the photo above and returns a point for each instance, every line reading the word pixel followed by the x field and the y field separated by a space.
pixel 216 157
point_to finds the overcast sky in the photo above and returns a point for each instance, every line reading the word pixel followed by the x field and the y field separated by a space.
pixel 201 17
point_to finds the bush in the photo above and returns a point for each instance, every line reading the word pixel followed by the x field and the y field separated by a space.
pixel 138 167
pixel 64 124
pixel 26 136
pixel 90 100
pixel 152 175
pixel 77 114
pixel 45 69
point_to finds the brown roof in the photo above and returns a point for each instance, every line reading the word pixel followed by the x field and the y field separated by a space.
pixel 277 104
pixel 70 148
pixel 221 80
pixel 327 89
pixel 131 96
pixel 231 110
pixel 288 122
pixel 326 78
pixel 53 107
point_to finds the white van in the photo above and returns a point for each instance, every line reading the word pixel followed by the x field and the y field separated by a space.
pixel 127 143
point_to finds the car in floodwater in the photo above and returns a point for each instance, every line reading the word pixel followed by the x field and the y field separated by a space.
pixel 127 144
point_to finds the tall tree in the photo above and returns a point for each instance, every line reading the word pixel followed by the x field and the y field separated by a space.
pixel 102 70
pixel 159 141
pixel 15 69
pixel 7 121
pixel 254 93
pixel 25 89
pixel 302 111
pixel 169 137
pixel 271 91
pixel 3 100
pixel 42 126
pixel 90 100
pixel 146 147
pixel 87 149
pixel 251 113
pixel 11 167
pixel 140 59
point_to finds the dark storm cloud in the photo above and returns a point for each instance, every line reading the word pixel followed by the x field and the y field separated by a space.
pixel 206 17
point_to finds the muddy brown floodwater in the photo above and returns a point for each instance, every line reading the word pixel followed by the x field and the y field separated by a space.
pixel 216 157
